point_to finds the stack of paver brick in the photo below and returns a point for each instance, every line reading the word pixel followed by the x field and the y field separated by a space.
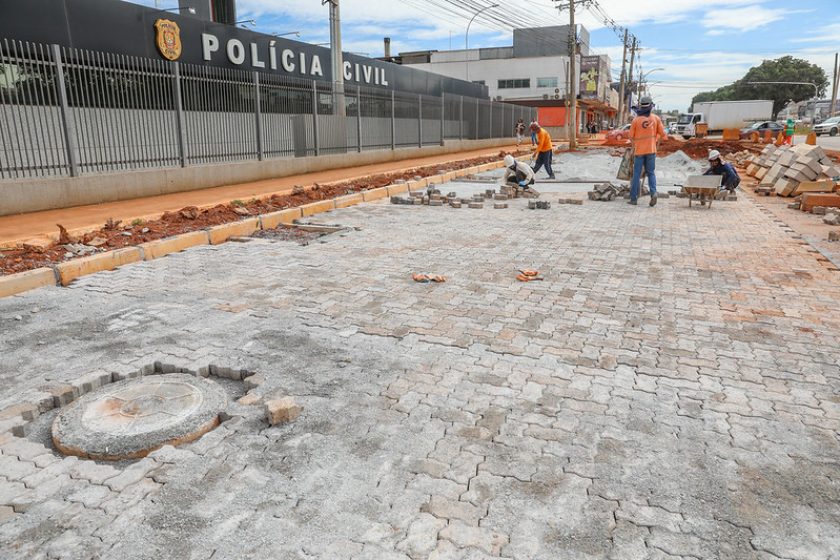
pixel 791 171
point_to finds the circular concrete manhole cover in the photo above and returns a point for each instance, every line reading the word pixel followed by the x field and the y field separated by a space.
pixel 132 418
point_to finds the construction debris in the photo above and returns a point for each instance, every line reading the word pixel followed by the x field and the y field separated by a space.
pixel 609 191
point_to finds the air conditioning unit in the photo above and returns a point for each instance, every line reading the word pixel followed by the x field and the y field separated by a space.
pixel 498 98
pixel 545 96
pixel 556 97
pixel 556 90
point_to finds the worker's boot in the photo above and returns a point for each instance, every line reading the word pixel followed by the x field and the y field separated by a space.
pixel 653 199
pixel 633 201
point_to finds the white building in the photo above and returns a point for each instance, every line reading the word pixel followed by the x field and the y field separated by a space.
pixel 533 72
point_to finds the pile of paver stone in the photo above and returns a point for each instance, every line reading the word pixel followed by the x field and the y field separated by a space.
pixel 433 197
pixel 792 171
pixel 606 192
pixel 802 171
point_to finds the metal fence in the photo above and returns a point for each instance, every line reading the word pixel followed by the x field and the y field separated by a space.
pixel 71 112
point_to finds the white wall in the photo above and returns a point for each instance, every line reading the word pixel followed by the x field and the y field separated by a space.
pixel 491 71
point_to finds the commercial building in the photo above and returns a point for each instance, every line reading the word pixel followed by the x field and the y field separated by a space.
pixel 534 72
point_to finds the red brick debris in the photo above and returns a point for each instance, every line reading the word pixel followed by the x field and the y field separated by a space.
pixel 115 234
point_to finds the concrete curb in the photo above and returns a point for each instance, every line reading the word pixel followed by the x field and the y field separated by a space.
pixel 221 233
pixel 162 247
pixel 318 207
pixel 25 281
pixel 64 273
pixel 70 270
pixel 349 200
pixel 274 219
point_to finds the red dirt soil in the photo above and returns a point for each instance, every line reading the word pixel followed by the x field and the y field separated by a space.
pixel 117 235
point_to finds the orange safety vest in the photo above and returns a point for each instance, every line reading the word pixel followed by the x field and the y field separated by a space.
pixel 644 132
pixel 543 141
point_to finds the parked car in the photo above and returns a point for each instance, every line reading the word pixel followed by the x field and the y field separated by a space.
pixel 828 126
pixel 619 134
pixel 761 127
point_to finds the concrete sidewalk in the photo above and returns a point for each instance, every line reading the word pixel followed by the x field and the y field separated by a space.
pixel 42 225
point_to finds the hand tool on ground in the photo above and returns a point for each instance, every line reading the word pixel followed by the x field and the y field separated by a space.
pixel 426 278
pixel 524 278
pixel 529 272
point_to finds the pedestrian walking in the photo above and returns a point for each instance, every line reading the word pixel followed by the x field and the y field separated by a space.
pixel 790 128
pixel 543 152
pixel 533 134
pixel 645 132
pixel 519 131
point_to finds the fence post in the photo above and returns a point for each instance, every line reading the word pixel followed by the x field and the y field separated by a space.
pixel 393 122
pixel 420 120
pixel 180 122
pixel 491 119
pixel 461 119
pixel 359 116
pixel 476 117
pixel 442 116
pixel 315 118
pixel 258 115
pixel 67 121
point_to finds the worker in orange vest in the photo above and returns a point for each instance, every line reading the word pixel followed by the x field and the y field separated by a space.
pixel 543 152
pixel 645 133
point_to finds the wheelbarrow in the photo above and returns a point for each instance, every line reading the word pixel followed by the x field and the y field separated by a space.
pixel 703 188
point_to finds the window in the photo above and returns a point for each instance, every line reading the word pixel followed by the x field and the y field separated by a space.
pixel 513 84
pixel 547 82
pixel 479 82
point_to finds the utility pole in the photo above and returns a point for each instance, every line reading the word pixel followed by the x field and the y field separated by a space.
pixel 630 75
pixel 337 59
pixel 621 87
pixel 572 81
pixel 834 88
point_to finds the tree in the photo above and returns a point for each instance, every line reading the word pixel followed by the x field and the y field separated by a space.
pixel 785 69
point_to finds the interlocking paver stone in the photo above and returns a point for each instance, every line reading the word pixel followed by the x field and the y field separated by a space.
pixel 668 391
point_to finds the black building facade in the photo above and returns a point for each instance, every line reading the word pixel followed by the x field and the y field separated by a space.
pixel 119 27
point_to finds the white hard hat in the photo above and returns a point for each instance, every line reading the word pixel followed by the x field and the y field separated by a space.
pixel 509 161
pixel 714 154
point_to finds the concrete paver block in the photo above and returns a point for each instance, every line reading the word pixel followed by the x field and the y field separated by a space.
pixel 282 410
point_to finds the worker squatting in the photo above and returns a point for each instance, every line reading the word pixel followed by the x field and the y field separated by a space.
pixel 288 60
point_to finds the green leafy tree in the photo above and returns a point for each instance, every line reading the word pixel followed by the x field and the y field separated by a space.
pixel 785 69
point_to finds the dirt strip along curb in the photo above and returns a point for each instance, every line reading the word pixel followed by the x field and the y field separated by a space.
pixel 64 273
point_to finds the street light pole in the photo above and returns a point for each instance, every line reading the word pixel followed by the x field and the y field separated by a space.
pixel 337 58
pixel 467 36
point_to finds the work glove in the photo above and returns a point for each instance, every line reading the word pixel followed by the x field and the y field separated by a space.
pixel 523 183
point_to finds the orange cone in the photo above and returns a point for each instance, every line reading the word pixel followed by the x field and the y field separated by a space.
pixel 812 139
pixel 780 139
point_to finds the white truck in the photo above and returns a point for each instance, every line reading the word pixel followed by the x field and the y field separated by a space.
pixel 718 115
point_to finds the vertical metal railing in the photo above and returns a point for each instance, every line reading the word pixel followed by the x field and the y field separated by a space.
pixel 66 111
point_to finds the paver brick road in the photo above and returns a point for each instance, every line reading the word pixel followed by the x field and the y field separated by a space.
pixel 671 390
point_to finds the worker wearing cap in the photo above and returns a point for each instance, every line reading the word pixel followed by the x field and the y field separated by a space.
pixel 543 151
pixel 518 173
pixel 730 180
pixel 645 132
pixel 533 132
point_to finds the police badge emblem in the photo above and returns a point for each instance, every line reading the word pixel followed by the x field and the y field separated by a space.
pixel 168 39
